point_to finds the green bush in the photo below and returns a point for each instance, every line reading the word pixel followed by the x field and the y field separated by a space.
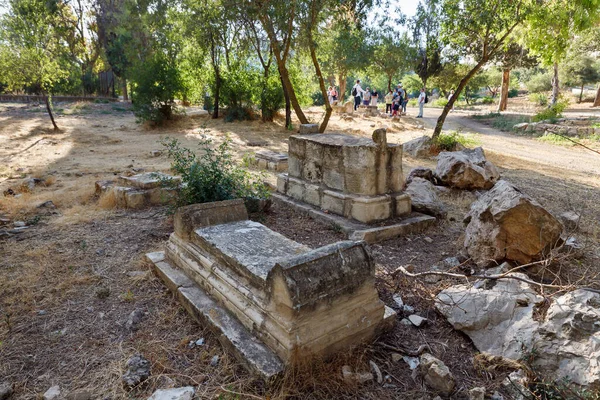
pixel 539 99
pixel 212 176
pixel 453 141
pixel 412 102
pixel 441 102
pixel 539 83
pixel 487 100
pixel 238 113
pixel 513 93
pixel 551 113
pixel 155 84
pixel 271 96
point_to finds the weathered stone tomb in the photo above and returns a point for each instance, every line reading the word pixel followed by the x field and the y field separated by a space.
pixel 138 191
pixel 272 301
pixel 351 176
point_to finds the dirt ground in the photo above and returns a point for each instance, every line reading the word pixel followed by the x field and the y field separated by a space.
pixel 69 282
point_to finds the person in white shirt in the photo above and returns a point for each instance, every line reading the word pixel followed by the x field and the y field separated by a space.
pixel 357 91
pixel 449 97
pixel 422 97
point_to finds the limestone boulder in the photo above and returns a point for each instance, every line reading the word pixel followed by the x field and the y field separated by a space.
pixel 505 223
pixel 466 169
pixel 424 198
pixel 181 393
pixel 421 147
pixel 421 172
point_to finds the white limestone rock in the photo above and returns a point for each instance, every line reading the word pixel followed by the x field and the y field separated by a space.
pixel 466 169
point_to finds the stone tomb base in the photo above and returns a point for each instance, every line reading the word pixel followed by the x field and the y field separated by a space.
pixel 137 191
pixel 272 301
pixel 266 159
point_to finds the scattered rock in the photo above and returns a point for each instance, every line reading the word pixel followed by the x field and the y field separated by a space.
pixel 200 342
pixel 570 220
pixel 46 204
pixel 396 357
pixel 505 223
pixel 156 153
pixel 467 169
pixel 421 172
pixel 436 374
pixel 428 239
pixel 52 393
pixel 573 247
pixel 405 322
pixel 347 374
pixel 408 309
pixel 42 312
pixel 413 362
pixel 134 319
pixel 521 127
pixel 515 385
pixel 182 393
pixel 477 393
pixel 398 300
pixel 138 370
pixel 19 224
pixel 6 390
pixel 214 361
pixel 417 320
pixel 424 198
pixel 420 147
pixel 30 183
pixel 380 137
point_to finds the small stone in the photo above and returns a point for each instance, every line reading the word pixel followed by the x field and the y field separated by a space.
pixel 156 153
pixel 182 393
pixel 413 362
pixel 496 396
pixel 200 342
pixel 396 357
pixel 363 377
pixel 347 374
pixel 408 309
pixel 52 393
pixel 19 224
pixel 398 300
pixel 42 312
pixel 417 320
pixel 428 239
pixel 405 322
pixel 570 220
pixel 214 361
pixel 436 374
pixel 47 204
pixel 477 393
pixel 100 252
pixel 6 390
pixel 138 370
pixel 134 319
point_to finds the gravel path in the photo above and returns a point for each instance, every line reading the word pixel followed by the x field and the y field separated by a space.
pixel 576 159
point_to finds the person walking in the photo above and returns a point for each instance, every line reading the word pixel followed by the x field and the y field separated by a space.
pixel 357 91
pixel 388 102
pixel 422 98
pixel 374 97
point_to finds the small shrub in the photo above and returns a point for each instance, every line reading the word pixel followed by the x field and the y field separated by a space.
pixel 238 113
pixel 441 102
pixel 453 141
pixel 539 99
pixel 555 139
pixel 487 100
pixel 513 93
pixel 212 176
pixel 412 102
pixel 539 83
pixel 551 113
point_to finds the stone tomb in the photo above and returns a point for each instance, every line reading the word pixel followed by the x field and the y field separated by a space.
pixel 266 159
pixel 351 176
pixel 271 300
pixel 139 190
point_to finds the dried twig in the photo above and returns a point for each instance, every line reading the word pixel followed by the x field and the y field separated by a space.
pixel 415 353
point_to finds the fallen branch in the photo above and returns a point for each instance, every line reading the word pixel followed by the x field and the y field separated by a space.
pixel 415 353
pixel 505 275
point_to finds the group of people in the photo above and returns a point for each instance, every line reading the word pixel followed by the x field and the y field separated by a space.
pixel 332 94
pixel 395 101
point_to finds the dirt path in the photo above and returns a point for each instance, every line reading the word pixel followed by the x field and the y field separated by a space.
pixel 575 159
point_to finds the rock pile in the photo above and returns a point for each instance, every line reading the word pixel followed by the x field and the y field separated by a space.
pixel 466 169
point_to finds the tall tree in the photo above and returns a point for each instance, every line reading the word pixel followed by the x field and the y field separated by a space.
pixel 393 54
pixel 477 30
pixel 30 49
pixel 426 31
pixel 512 56
pixel 552 27
pixel 580 70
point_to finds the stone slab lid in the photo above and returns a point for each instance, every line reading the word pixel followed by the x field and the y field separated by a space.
pixel 339 140
pixel 146 180
pixel 271 155
pixel 249 247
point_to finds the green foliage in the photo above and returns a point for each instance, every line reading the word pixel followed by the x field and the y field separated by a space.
pixel 513 93
pixel 539 83
pixel 551 113
pixel 487 100
pixel 453 140
pixel 155 83
pixel 212 176
pixel 555 139
pixel 503 122
pixel 539 99
pixel 441 102
pixel 412 84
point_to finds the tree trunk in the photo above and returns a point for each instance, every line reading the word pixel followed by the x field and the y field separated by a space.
pixel 328 109
pixel 342 92
pixel 288 108
pixel 504 96
pixel 49 109
pixel 581 94
pixel 389 83
pixel 263 100
pixel 597 99
pixel 124 89
pixel 555 88
pixel 463 83
pixel 215 113
pixel 287 84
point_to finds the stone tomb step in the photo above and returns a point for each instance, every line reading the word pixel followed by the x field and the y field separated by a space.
pixel 250 247
pixel 230 332
pixel 147 180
